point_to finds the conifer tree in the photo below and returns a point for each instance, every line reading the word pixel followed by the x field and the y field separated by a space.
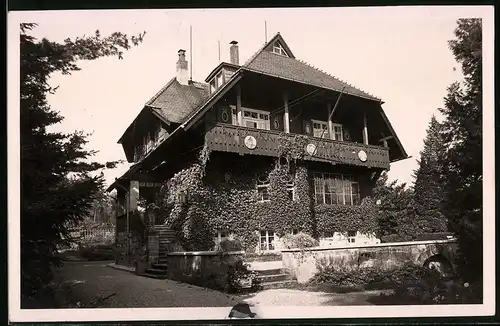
pixel 428 191
pixel 58 182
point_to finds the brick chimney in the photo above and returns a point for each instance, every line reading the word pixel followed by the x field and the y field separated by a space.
pixel 182 68
pixel 234 53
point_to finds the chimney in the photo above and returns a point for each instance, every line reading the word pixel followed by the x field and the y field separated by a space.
pixel 182 68
pixel 234 53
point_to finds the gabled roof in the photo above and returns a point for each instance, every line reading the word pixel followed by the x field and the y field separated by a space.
pixel 269 63
pixel 174 102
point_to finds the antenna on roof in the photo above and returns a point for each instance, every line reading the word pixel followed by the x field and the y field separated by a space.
pixel 265 29
pixel 191 52
pixel 218 47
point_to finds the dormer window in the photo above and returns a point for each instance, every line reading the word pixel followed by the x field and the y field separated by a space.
pixel 278 49
pixel 219 79
pixel 212 86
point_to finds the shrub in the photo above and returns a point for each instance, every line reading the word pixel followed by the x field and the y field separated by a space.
pixel 229 245
pixel 239 277
pixel 334 276
pixel 98 252
pixel 262 257
pixel 299 241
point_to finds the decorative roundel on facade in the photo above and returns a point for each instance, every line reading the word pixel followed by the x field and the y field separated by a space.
pixel 347 136
pixel 276 123
pixel 250 142
pixel 311 149
pixel 362 156
pixel 308 128
pixel 224 115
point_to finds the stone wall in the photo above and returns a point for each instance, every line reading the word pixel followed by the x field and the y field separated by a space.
pixel 207 268
pixel 153 247
pixel 304 264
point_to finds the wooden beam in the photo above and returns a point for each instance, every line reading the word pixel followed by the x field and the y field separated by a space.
pixel 365 128
pixel 330 123
pixel 238 105
pixel 286 116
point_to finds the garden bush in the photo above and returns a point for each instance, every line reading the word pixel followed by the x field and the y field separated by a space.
pixel 98 252
pixel 335 276
pixel 262 257
pixel 299 241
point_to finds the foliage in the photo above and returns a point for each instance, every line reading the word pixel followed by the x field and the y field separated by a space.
pixel 428 191
pixel 291 147
pixel 58 188
pixel 393 213
pixel 300 240
pixel 462 134
pixel 229 245
pixel 333 275
pixel 344 218
pixel 262 257
pixel 97 252
pixel 240 278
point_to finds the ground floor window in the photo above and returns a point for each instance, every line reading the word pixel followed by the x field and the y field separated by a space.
pixel 262 189
pixel 336 189
pixel 351 236
pixel 267 240
pixel 222 235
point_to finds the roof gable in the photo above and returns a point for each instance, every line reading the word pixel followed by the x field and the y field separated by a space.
pixel 267 62
pixel 174 102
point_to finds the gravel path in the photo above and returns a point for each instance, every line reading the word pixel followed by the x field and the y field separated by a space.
pixel 289 297
pixel 89 280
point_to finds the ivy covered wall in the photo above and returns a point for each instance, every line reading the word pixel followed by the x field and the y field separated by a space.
pixel 218 192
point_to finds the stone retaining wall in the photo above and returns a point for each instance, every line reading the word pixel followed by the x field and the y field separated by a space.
pixel 304 264
pixel 205 268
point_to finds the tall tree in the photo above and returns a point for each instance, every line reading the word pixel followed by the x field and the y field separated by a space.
pixel 462 134
pixel 428 189
pixel 58 184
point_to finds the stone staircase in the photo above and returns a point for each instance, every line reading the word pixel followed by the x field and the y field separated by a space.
pixel 272 275
pixel 158 270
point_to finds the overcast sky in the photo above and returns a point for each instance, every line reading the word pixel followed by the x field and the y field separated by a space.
pixel 399 54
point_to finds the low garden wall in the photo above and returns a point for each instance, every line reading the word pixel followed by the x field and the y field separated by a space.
pixel 204 268
pixel 303 264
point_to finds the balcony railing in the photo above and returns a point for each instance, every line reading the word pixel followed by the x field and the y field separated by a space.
pixel 237 139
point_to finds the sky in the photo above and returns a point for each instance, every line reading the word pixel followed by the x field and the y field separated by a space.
pixel 399 54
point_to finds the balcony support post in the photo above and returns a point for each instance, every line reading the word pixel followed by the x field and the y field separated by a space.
pixel 330 123
pixel 365 129
pixel 238 105
pixel 286 115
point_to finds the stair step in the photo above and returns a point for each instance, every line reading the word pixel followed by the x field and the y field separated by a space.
pixel 274 278
pixel 156 276
pixel 277 284
pixel 273 271
pixel 159 265
pixel 155 271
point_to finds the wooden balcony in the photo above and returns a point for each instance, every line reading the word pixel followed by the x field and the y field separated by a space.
pixel 230 138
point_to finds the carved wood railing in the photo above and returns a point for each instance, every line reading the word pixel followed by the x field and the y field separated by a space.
pixel 230 138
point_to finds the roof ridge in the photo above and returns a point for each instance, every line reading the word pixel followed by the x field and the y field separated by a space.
pixel 342 81
pixel 254 56
pixel 151 100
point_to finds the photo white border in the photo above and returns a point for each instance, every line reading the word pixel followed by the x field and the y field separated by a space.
pixel 282 312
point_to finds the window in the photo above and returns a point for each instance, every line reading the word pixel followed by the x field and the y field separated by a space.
pixel 267 240
pixel 219 80
pixel 212 86
pixel 263 189
pixel 320 129
pixel 290 188
pixel 336 189
pixel 256 119
pixel 338 132
pixel 351 236
pixel 222 235
pixel 295 231
pixel 278 49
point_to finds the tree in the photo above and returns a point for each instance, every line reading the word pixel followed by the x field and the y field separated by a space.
pixel 394 199
pixel 57 181
pixel 462 134
pixel 428 189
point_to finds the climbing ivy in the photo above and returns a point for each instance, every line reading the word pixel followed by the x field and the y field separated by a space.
pixel 228 200
pixel 292 147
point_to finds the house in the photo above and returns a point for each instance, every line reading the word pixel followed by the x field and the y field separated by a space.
pixel 259 150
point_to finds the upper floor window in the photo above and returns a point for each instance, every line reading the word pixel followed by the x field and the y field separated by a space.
pixel 212 86
pixel 336 189
pixel 256 119
pixel 320 129
pixel 278 49
pixel 263 189
pixel 220 81
pixel 290 188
